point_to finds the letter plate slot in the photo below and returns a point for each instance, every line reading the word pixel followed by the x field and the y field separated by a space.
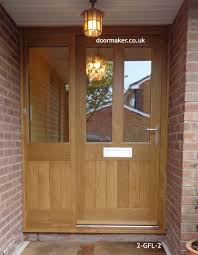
pixel 117 152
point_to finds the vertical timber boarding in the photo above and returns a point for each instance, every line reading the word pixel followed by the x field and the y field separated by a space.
pixel 42 163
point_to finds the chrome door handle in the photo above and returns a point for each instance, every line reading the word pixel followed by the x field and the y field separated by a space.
pixel 156 130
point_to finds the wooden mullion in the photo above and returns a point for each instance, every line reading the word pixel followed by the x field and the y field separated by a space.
pixel 118 88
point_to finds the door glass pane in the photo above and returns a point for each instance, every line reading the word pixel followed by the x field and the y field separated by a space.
pixel 49 94
pixel 99 73
pixel 137 94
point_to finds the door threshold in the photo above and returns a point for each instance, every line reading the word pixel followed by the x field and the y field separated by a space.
pixel 115 226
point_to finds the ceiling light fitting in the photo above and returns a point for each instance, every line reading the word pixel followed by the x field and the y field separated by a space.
pixel 93 19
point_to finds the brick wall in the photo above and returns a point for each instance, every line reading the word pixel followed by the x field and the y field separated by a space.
pixel 182 180
pixel 100 123
pixel 10 143
pixel 189 216
pixel 176 126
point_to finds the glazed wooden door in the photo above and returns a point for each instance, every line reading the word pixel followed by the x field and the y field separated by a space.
pixel 49 138
pixel 119 109
pixel 94 133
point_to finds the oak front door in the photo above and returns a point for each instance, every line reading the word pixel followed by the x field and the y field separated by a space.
pixel 94 129
pixel 119 134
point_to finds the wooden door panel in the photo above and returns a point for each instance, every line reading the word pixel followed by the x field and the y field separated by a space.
pixel 123 184
pixel 111 168
pixel 101 184
pixel 66 185
pixel 50 220
pixel 89 185
pixel 49 192
pixel 33 185
pixel 61 185
pixel 44 184
pixel 113 190
pixel 134 184
pixel 55 184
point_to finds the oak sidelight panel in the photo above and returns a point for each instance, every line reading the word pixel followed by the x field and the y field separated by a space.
pixel 48 101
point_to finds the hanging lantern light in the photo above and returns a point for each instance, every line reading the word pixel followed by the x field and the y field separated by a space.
pixel 93 19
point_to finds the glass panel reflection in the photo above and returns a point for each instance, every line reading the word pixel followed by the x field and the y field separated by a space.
pixel 137 94
pixel 99 71
pixel 49 94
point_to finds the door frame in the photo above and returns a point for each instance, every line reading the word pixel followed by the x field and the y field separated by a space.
pixel 67 36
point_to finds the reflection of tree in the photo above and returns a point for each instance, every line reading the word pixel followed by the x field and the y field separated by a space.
pixel 99 93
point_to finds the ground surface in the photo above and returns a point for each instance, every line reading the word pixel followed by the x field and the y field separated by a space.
pixel 98 248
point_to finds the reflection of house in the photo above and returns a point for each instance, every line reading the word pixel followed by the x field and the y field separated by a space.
pixel 136 114
pixel 137 95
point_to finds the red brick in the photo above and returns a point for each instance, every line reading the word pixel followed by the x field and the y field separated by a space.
pixel 188 227
pixel 189 173
pixel 189 236
pixel 10 145
pixel 191 107
pixel 192 182
pixel 188 190
pixel 193 36
pixel 191 97
pixel 191 116
pixel 192 46
pixel 189 155
pixel 189 146
pixel 192 67
pixel 188 209
pixel 190 218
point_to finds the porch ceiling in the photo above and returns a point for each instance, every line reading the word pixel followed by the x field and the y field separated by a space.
pixel 67 12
